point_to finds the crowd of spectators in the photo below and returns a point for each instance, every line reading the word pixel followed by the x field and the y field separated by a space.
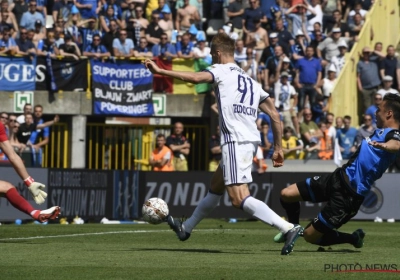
pixel 28 132
pixel 294 49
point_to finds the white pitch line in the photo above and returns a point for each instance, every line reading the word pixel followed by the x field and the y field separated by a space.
pixel 97 233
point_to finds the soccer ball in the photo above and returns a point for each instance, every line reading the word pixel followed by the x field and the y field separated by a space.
pixel 155 210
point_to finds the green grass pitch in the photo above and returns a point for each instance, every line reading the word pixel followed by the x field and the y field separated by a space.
pixel 217 250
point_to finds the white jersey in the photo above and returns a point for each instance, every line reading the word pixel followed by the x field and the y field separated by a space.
pixel 238 97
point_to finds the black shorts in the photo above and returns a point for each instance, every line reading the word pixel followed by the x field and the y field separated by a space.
pixel 342 201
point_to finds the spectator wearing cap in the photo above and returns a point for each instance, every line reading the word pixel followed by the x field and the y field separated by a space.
pixel 96 49
pixel 123 46
pixel 201 51
pixel 166 22
pixel 284 93
pixel 49 45
pixel 154 31
pixel 336 22
pixel 184 48
pixel 299 48
pixel 390 66
pixel 327 84
pixel 258 39
pixel 142 50
pixel 269 51
pixel 308 77
pixel 40 32
pixel 193 31
pixel 284 36
pixel 30 17
pixel 300 17
pixel 8 46
pixel 164 50
pixel 235 13
pixel 338 61
pixel 387 86
pixel 73 24
pixel 62 10
pixel 330 46
pixel 88 8
pixel 70 48
pixel 25 46
pixel 161 6
pixel 367 78
pixel 251 13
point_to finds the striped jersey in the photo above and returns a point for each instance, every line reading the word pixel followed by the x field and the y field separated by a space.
pixel 238 97
pixel 369 163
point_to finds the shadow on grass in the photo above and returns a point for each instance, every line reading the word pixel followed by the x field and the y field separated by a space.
pixel 192 251
pixel 329 251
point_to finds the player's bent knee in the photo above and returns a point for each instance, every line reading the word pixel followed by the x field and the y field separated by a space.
pixel 5 186
pixel 236 203
pixel 310 237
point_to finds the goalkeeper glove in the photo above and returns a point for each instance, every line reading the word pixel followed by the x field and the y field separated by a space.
pixel 36 190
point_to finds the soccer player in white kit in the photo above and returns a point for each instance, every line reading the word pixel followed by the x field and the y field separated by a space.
pixel 238 98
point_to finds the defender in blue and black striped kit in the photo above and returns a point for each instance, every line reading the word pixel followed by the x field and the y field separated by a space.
pixel 344 189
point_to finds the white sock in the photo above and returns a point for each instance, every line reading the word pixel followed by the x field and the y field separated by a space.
pixel 205 207
pixel 261 211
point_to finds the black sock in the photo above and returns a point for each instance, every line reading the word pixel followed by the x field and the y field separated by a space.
pixel 336 237
pixel 292 211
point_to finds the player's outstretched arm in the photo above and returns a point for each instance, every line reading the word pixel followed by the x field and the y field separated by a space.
pixel 191 77
pixel 268 107
pixel 391 146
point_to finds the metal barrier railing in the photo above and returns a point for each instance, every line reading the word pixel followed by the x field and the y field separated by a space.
pixel 56 152
pixel 129 147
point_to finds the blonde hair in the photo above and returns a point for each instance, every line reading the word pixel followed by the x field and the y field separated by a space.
pixel 223 43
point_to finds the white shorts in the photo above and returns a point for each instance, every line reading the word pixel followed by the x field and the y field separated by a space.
pixel 236 162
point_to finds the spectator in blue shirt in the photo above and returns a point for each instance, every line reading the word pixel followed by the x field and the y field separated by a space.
pixel 184 48
pixel 164 50
pixel 88 8
pixel 62 10
pixel 87 33
pixel 7 44
pixel 95 49
pixel 25 46
pixel 347 138
pixel 31 16
pixel 254 11
pixel 122 46
pixel 372 109
pixel 142 50
pixel 309 71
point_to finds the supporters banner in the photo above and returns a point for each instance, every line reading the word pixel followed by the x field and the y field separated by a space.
pixel 122 88
pixel 68 74
pixel 17 73
pixel 84 193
